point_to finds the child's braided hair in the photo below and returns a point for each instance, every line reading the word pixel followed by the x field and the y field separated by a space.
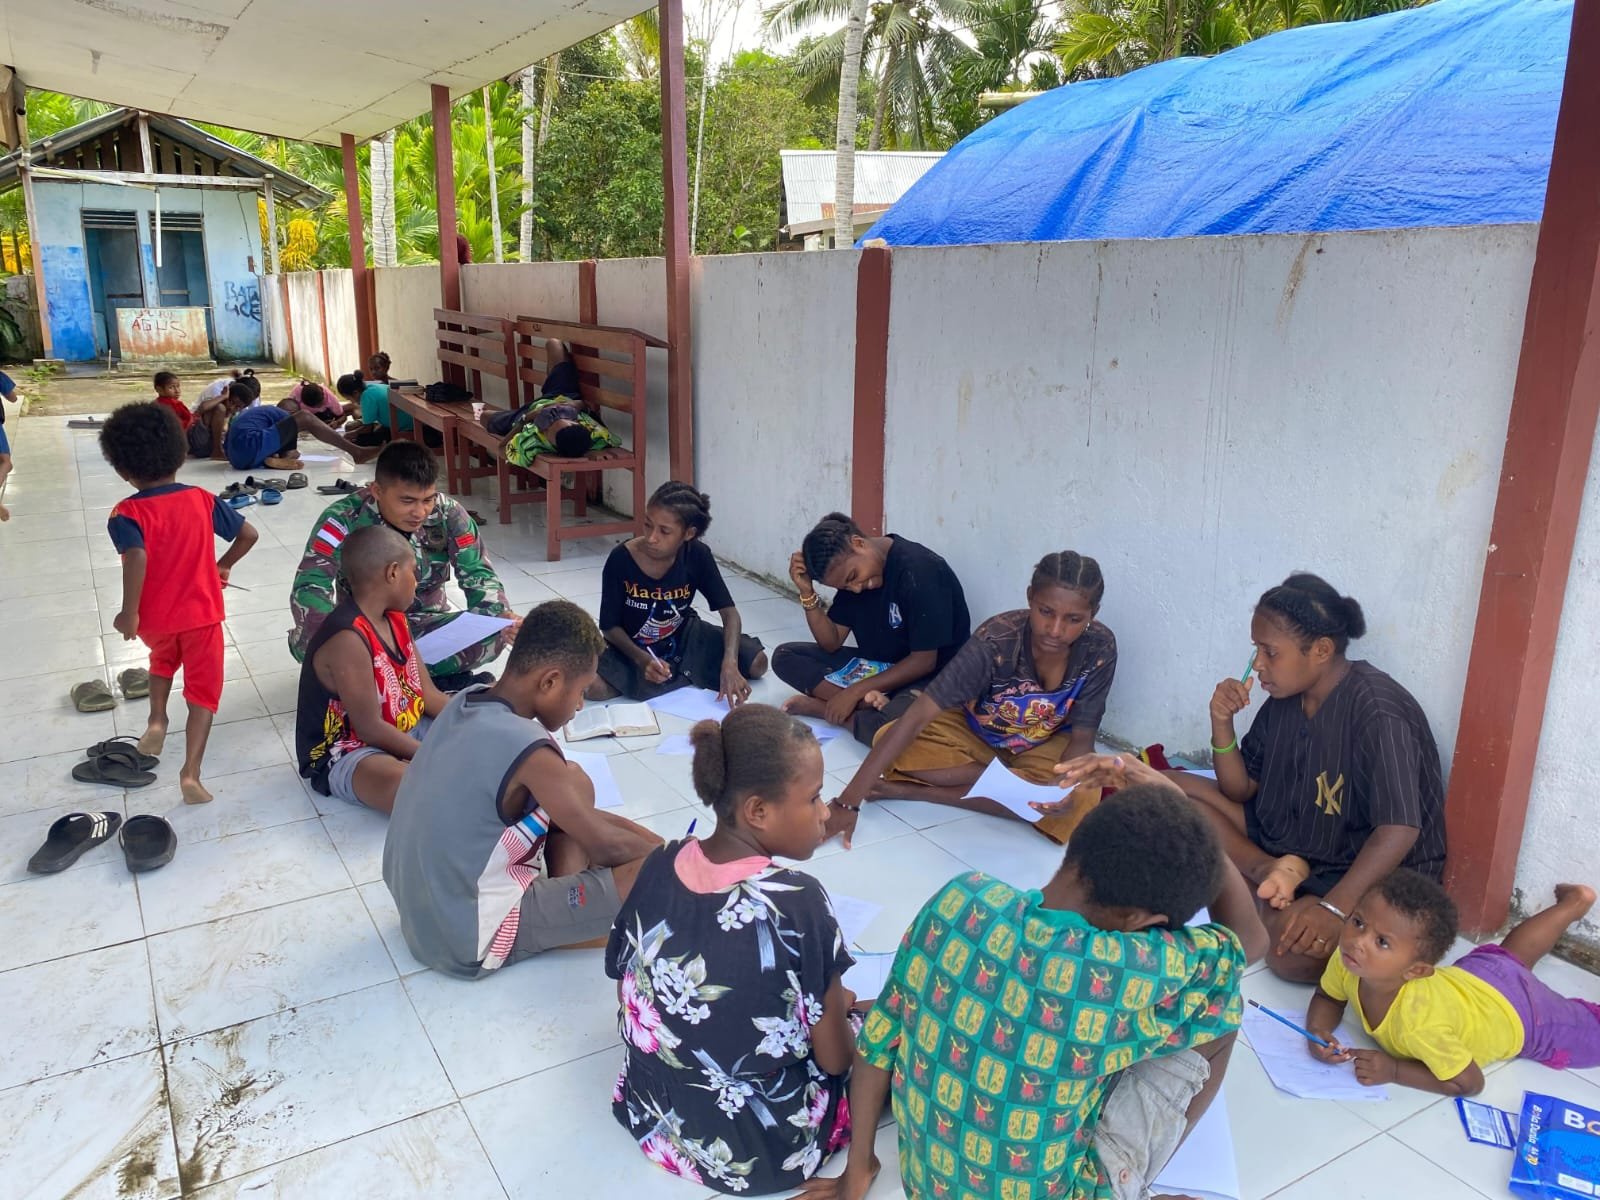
pixel 1309 606
pixel 1071 570
pixel 752 752
pixel 826 542
pixel 692 508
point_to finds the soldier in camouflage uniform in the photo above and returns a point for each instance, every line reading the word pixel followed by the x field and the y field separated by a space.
pixel 405 495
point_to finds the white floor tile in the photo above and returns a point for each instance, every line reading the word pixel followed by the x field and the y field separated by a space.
pixel 23 833
pixel 251 1095
pixel 239 968
pixel 900 874
pixel 435 1156
pixel 358 834
pixel 54 726
pixel 279 690
pixel 380 906
pixel 1380 1169
pixel 1008 849
pixel 267 655
pixel 109 1015
pixel 560 1004
pixel 230 875
pixel 51 916
pixel 244 803
pixel 27 784
pixel 98 1134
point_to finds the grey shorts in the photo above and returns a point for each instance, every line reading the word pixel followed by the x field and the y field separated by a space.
pixel 566 909
pixel 342 775
pixel 1143 1119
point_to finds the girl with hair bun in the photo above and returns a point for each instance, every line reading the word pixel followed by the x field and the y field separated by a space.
pixel 1029 688
pixel 657 642
pixel 734 1015
pixel 1336 783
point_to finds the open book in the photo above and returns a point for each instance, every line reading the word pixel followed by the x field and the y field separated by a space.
pixel 616 720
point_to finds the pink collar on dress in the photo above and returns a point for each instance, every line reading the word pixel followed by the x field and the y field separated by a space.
pixel 699 874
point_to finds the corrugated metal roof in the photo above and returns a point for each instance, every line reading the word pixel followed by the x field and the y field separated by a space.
pixel 882 177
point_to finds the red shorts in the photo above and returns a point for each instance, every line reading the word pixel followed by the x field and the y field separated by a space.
pixel 199 653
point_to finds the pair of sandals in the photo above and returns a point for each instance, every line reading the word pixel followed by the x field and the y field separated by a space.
pixel 339 487
pixel 92 695
pixel 118 763
pixel 293 483
pixel 147 841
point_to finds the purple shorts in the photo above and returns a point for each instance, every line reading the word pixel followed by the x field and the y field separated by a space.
pixel 1558 1031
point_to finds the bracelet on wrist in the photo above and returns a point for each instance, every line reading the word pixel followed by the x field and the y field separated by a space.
pixel 1333 908
pixel 853 808
pixel 1233 745
pixel 810 602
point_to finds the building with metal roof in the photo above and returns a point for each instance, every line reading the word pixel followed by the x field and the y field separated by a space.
pixel 882 177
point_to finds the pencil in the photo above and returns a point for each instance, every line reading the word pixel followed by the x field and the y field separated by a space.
pixel 1248 667
pixel 1305 1033
pixel 692 824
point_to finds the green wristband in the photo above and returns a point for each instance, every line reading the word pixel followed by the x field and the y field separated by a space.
pixel 1233 745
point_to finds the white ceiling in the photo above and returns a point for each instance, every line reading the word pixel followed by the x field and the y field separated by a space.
pixel 303 69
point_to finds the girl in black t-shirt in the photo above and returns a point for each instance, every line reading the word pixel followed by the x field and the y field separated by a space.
pixel 900 600
pixel 658 642
pixel 1336 783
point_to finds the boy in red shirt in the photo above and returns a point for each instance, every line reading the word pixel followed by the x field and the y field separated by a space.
pixel 171 586
pixel 168 389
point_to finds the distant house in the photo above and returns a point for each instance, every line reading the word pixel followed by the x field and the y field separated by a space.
pixel 148 238
pixel 805 216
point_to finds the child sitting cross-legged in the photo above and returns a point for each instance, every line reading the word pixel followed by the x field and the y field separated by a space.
pixel 1439 1026
pixel 1061 1041
pixel 734 1013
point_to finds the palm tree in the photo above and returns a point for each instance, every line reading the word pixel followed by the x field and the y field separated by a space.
pixel 385 252
pixel 844 172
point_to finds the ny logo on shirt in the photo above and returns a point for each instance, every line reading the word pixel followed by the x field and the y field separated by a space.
pixel 1330 797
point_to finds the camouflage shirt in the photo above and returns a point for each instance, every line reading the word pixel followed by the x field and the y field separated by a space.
pixel 447 542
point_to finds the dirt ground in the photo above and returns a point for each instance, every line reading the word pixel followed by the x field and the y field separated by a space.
pixel 80 391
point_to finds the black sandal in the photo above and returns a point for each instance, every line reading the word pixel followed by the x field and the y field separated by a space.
pixel 118 766
pixel 143 762
pixel 70 838
pixel 148 842
pixel 338 487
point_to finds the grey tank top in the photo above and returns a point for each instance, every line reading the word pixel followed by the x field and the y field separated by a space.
pixel 456 869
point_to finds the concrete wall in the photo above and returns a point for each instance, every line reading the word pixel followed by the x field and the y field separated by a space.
pixel 232 256
pixel 774 367
pixel 406 298
pixel 535 289
pixel 339 305
pixel 311 353
pixel 632 292
pixel 1205 416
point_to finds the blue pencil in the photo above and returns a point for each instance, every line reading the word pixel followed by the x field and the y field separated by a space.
pixel 1305 1033
pixel 692 824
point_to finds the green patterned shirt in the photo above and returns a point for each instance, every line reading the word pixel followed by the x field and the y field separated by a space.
pixel 1001 1026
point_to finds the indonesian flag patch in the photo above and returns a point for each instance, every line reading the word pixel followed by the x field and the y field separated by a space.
pixel 466 539
pixel 329 537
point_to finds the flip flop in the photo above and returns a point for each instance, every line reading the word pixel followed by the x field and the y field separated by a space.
pixel 92 695
pixel 148 842
pixel 337 488
pixel 134 682
pixel 117 767
pixel 239 500
pixel 237 489
pixel 144 762
pixel 262 485
pixel 297 481
pixel 69 838
pixel 85 423
pixel 271 496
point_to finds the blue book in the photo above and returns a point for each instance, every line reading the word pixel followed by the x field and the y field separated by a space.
pixel 1558 1153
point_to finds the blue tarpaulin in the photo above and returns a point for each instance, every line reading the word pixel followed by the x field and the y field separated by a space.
pixel 1441 115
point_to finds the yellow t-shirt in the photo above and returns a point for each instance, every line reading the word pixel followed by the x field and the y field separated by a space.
pixel 1445 1021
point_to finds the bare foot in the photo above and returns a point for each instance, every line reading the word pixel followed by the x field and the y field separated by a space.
pixel 875 700
pixel 805 706
pixel 1579 897
pixel 5 513
pixel 1282 881
pixel 154 738
pixel 282 462
pixel 193 791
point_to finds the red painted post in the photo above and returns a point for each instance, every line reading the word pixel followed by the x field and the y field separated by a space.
pixel 444 183
pixel 1549 439
pixel 872 387
pixel 675 209
pixel 288 323
pixel 358 249
pixel 322 320
pixel 588 297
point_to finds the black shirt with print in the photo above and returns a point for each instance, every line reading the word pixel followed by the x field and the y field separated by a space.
pixel 919 607
pixel 652 611
pixel 1367 758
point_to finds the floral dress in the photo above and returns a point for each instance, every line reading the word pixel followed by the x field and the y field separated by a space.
pixel 719 992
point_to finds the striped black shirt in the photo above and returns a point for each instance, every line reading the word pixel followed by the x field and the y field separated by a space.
pixel 1366 759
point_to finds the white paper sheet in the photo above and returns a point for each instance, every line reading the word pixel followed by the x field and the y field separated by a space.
pixel 598 768
pixel 870 975
pixel 1204 1165
pixel 692 704
pixel 1014 792
pixel 320 457
pixel 468 629
pixel 824 731
pixel 854 915
pixel 1291 1068
pixel 675 743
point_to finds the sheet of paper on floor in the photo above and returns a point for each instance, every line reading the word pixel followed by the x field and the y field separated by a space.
pixel 1204 1165
pixel 692 704
pixel 1283 1056
pixel 675 743
pixel 824 731
pixel 854 915
pixel 1014 792
pixel 320 457
pixel 468 629
pixel 598 768
pixel 870 975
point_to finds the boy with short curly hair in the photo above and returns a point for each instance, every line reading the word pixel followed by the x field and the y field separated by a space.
pixel 171 585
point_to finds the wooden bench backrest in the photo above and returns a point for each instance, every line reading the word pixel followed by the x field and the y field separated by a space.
pixel 478 343
pixel 610 362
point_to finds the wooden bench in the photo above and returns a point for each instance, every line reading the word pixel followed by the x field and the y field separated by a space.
pixel 424 414
pixel 611 370
pixel 470 347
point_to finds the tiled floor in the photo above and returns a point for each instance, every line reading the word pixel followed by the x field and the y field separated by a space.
pixel 247 1021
